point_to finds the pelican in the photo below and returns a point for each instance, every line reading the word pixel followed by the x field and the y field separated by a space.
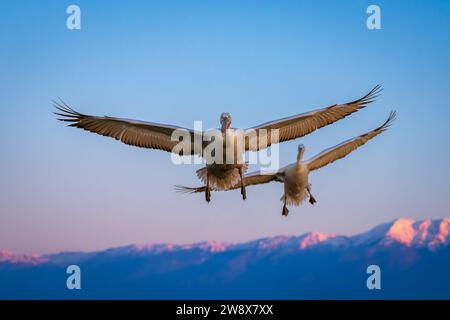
pixel 215 176
pixel 295 176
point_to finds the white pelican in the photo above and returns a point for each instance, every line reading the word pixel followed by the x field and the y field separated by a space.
pixel 295 176
pixel 215 176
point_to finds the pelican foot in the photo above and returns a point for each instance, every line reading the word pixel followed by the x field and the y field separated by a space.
pixel 285 211
pixel 244 193
pixel 312 200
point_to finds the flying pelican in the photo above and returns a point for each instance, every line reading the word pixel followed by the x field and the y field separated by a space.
pixel 295 176
pixel 215 176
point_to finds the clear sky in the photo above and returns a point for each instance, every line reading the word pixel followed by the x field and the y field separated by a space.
pixel 179 61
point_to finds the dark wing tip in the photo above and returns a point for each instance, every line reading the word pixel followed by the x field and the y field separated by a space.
pixel 372 95
pixel 186 190
pixel 369 97
pixel 64 112
pixel 389 121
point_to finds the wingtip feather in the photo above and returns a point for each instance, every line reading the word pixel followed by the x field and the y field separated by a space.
pixel 186 190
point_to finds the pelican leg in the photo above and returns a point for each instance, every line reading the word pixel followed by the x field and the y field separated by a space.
pixel 207 189
pixel 243 191
pixel 285 211
pixel 312 200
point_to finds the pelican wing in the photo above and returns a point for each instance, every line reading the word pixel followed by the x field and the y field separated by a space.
pixel 132 132
pixel 341 150
pixel 305 123
pixel 255 178
pixel 250 179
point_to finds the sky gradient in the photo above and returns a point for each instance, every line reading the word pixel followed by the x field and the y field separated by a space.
pixel 179 61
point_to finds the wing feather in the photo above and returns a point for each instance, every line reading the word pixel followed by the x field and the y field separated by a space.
pixel 341 150
pixel 305 123
pixel 132 132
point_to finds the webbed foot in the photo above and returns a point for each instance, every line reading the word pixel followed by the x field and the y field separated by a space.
pixel 285 211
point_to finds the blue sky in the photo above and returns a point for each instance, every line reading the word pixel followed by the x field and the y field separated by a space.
pixel 180 61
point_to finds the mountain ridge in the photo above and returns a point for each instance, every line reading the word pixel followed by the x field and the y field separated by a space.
pixel 427 233
pixel 413 256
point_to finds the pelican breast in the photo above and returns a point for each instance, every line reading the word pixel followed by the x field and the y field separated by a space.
pixel 295 183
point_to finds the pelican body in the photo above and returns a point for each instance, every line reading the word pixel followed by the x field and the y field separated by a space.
pixel 225 174
pixel 296 186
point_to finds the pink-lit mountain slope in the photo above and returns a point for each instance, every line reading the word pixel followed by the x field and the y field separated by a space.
pixel 429 234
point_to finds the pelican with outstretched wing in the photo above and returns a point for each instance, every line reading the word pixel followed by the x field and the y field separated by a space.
pixel 295 176
pixel 217 176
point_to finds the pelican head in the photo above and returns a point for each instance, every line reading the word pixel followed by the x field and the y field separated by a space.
pixel 301 151
pixel 225 120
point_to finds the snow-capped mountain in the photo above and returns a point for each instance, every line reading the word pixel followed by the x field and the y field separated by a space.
pixel 420 234
pixel 309 265
pixel 407 232
pixel 9 257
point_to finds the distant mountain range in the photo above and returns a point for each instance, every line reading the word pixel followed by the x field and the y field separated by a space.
pixel 414 258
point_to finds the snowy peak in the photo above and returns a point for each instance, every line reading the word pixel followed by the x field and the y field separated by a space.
pixel 314 238
pixel 302 242
pixel 425 233
pixel 208 246
pixel 150 248
pixel 442 237
pixel 402 231
pixel 7 256
pixel 421 234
